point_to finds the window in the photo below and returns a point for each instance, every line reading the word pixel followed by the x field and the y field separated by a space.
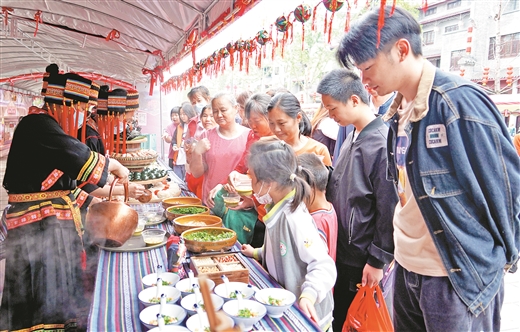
pixel 454 4
pixel 509 46
pixel 430 11
pixel 429 37
pixel 455 57
pixel 436 61
pixel 451 28
pixel 512 5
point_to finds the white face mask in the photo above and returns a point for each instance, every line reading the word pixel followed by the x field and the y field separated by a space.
pixel 80 115
pixel 198 107
pixel 265 198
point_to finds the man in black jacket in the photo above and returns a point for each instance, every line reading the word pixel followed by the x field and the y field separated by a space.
pixel 362 197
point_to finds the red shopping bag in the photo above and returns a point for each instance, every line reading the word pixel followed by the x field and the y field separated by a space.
pixel 368 312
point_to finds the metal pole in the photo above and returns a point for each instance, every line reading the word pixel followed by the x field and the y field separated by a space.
pixel 498 48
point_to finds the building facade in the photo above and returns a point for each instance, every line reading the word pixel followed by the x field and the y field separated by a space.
pixel 460 36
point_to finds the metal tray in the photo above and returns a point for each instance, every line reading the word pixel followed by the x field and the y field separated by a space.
pixel 136 244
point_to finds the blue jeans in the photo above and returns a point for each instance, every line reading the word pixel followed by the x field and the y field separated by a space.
pixel 423 303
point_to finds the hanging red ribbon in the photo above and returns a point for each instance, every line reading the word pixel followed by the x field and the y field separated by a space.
pixel 159 54
pixel 393 8
pixel 38 19
pixel 380 21
pixel 155 74
pixel 114 34
pixel 191 42
pixel 6 11
pixel 347 21
pixel 425 5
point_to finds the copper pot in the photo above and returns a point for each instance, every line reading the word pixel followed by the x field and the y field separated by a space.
pixel 111 223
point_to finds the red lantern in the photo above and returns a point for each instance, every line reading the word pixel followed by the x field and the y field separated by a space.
pixel 333 6
pixel 262 37
pixel 282 25
pixel 302 13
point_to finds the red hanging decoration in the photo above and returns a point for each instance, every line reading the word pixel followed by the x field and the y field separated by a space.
pixel 231 50
pixel 262 37
pixel 6 11
pixel 283 25
pixel 425 5
pixel 114 34
pixel 313 26
pixel 332 6
pixel 347 21
pixel 393 8
pixel 191 42
pixel 380 22
pixel 38 19
pixel 156 73
pixel 302 14
pixel 159 54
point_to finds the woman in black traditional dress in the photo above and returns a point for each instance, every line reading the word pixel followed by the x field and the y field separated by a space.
pixel 43 249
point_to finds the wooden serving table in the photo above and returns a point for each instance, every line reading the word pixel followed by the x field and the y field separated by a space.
pixel 116 307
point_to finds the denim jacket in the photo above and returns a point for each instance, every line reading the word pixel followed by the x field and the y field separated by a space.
pixel 465 175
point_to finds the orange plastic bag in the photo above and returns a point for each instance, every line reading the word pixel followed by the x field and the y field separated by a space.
pixel 368 312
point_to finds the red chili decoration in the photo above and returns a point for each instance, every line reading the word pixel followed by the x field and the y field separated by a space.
pixel 6 11
pixel 114 34
pixel 38 19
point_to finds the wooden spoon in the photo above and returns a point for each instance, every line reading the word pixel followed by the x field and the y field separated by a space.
pixel 216 323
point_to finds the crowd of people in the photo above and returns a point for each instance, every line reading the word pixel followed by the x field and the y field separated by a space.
pixel 386 171
pixel 408 183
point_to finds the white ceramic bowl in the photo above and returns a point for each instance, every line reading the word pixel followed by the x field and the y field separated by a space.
pixel 276 300
pixel 186 287
pixel 169 279
pixel 148 315
pixel 193 323
pixel 246 324
pixel 246 290
pixel 189 301
pixel 172 295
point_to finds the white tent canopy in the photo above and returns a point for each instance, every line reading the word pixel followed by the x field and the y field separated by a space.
pixel 73 34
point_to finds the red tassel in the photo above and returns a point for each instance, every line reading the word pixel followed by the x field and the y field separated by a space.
pixel 303 36
pixel 380 22
pixel 83 260
pixel 330 25
pixel 393 8
pixel 347 21
pixel 425 5
pixel 124 135
pixel 38 19
pixel 325 25
pixel 313 26
pixel 193 48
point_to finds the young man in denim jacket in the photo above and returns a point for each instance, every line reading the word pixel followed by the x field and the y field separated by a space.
pixel 456 227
